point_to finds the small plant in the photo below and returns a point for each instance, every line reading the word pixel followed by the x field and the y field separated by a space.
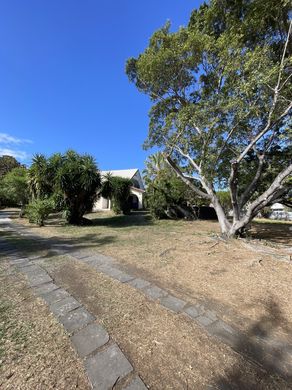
pixel 38 210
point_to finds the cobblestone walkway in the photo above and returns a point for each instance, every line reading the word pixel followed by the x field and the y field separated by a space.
pixel 104 362
pixel 260 352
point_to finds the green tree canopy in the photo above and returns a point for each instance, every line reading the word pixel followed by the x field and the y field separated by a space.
pixel 14 188
pixel 71 178
pixel 7 163
pixel 166 194
pixel 221 91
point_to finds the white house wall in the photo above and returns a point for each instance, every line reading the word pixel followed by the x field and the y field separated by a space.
pixel 101 204
pixel 104 204
pixel 139 195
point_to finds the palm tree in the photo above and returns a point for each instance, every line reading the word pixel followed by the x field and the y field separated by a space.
pixel 78 180
pixel 38 180
pixel 154 165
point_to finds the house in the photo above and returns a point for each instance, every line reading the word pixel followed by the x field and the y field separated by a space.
pixel 279 211
pixel 137 189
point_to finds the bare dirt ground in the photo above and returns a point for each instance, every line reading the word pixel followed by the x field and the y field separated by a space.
pixel 35 352
pixel 250 288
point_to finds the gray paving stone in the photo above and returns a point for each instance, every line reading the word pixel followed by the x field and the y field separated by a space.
pixel 55 295
pixel 211 314
pixel 194 311
pixel 26 266
pixel 224 332
pixel 136 384
pixel 139 283
pixel 76 319
pixel 20 262
pixel 173 303
pixel 154 292
pixel 94 261
pixel 107 367
pixel 62 307
pixel 88 339
pixel 204 320
pixel 37 279
pixel 79 255
pixel 115 273
pixel 35 257
pixel 123 277
pixel 98 259
pixel 45 288
pixel 106 259
pixel 33 269
pixel 110 271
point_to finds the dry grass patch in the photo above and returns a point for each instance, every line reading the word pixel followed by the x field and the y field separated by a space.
pixel 187 259
pixel 169 351
pixel 35 352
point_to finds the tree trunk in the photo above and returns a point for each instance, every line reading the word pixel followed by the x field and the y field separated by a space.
pixel 185 212
pixel 21 212
pixel 222 219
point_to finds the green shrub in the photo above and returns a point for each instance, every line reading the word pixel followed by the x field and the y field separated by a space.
pixel 38 210
pixel 118 190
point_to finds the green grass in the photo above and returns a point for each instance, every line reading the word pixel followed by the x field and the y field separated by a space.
pixel 272 221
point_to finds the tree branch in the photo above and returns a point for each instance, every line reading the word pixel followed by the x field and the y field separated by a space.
pixel 185 179
pixel 272 109
pixel 252 186
pixel 266 197
pixel 233 182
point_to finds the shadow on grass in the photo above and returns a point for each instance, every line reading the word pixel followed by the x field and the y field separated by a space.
pixel 33 246
pixel 272 358
pixel 136 218
pixel 278 232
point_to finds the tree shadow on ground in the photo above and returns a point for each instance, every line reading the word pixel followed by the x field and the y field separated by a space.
pixel 33 246
pixel 270 356
pixel 138 218
pixel 280 233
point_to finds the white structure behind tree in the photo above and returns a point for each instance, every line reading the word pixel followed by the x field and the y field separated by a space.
pixel 279 211
pixel 137 189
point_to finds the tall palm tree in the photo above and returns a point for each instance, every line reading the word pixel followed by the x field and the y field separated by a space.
pixel 38 179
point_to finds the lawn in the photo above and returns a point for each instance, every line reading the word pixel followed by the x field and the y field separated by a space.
pixel 248 282
pixel 239 278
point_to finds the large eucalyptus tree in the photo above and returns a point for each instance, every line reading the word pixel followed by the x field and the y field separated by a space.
pixel 222 97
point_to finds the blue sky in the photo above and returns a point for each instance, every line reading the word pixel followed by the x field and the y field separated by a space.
pixel 62 76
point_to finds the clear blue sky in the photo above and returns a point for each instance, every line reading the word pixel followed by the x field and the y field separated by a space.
pixel 62 76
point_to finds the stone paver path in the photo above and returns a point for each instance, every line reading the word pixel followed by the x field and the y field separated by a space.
pixel 259 352
pixel 104 362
